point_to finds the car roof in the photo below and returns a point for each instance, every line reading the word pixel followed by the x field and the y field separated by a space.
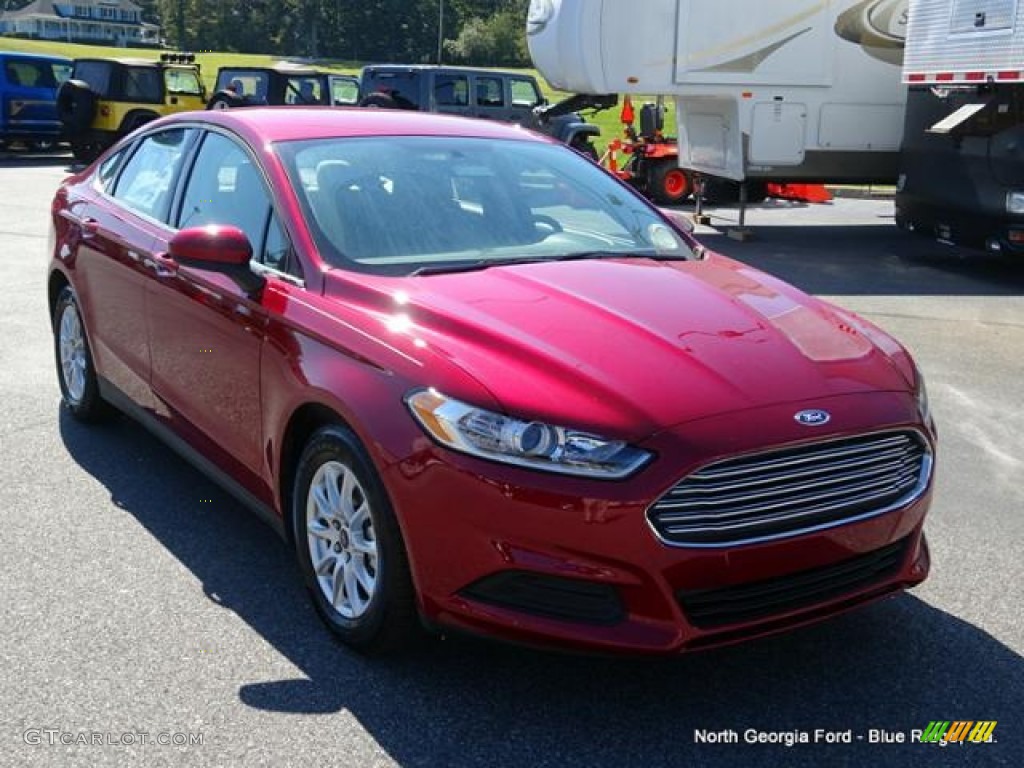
pixel 271 124
pixel 130 62
pixel 37 56
pixel 445 68
pixel 281 68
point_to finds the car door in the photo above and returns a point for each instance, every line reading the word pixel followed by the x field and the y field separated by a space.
pixel 450 93
pixel 205 332
pixel 523 95
pixel 116 228
pixel 489 98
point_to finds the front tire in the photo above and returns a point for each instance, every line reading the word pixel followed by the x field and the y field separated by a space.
pixel 349 545
pixel 79 387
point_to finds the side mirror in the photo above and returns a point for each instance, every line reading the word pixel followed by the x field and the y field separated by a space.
pixel 217 249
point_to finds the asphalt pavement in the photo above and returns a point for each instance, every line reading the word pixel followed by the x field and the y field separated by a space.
pixel 140 604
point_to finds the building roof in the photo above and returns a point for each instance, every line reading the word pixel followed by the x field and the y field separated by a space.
pixel 55 8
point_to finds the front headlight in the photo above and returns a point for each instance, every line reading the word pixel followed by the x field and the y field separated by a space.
pixel 531 444
pixel 1015 202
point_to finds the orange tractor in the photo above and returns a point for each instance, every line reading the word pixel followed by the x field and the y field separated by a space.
pixel 649 160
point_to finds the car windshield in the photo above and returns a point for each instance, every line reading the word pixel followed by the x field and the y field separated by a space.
pixel 183 81
pixel 401 204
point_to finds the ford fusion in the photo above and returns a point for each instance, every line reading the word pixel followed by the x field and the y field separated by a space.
pixel 478 384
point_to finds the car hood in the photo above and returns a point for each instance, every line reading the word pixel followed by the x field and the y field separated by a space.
pixel 632 346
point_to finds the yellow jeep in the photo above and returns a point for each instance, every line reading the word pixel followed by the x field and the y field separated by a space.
pixel 107 98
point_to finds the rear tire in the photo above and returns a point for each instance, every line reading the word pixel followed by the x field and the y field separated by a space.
pixel 86 150
pixel 379 100
pixel 225 100
pixel 349 546
pixel 668 184
pixel 79 387
pixel 584 146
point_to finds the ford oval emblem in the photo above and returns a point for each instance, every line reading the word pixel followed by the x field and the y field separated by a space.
pixel 813 417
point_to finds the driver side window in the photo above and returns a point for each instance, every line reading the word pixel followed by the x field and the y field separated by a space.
pixel 227 188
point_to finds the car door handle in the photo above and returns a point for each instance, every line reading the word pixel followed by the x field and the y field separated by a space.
pixel 162 266
pixel 90 227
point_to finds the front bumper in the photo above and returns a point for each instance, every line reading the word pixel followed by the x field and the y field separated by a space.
pixel 558 561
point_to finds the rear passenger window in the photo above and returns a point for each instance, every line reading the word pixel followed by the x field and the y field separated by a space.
pixel 143 84
pixel 147 181
pixel 489 93
pixel 451 91
pixel 95 73
pixel 31 74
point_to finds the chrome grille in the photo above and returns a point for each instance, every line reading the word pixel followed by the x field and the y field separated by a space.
pixel 794 490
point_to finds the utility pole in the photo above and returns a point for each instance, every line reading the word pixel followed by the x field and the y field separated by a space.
pixel 181 25
pixel 440 30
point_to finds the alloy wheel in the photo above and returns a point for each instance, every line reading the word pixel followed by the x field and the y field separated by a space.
pixel 73 357
pixel 341 539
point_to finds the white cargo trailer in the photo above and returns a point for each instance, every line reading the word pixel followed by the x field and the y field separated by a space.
pixel 962 164
pixel 784 90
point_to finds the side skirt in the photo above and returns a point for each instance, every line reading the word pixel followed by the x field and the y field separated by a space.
pixel 119 400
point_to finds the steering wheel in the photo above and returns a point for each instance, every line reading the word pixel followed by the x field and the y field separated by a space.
pixel 543 221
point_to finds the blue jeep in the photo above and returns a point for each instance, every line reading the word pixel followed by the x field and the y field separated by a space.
pixel 28 98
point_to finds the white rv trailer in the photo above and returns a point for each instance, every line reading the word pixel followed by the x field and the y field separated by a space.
pixel 784 90
pixel 962 164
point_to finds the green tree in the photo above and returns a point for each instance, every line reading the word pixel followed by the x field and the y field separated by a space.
pixel 496 41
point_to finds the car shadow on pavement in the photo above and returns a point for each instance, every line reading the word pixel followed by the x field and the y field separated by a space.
pixel 874 260
pixel 895 665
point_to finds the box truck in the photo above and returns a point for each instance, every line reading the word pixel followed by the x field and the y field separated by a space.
pixel 962 166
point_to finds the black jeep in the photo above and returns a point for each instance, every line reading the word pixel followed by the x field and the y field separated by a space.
pixel 513 97
pixel 282 85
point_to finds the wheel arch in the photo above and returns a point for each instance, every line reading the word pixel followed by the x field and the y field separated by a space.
pixel 136 118
pixel 56 283
pixel 302 424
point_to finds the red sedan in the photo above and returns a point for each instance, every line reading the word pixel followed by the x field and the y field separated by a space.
pixel 480 384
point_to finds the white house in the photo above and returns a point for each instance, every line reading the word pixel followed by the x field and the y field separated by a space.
pixel 109 22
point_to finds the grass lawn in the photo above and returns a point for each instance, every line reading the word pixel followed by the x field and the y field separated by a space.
pixel 210 62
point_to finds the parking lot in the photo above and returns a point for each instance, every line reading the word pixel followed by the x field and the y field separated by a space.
pixel 141 603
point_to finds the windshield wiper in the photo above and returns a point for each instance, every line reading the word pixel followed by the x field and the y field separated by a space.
pixel 480 264
pixel 473 266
